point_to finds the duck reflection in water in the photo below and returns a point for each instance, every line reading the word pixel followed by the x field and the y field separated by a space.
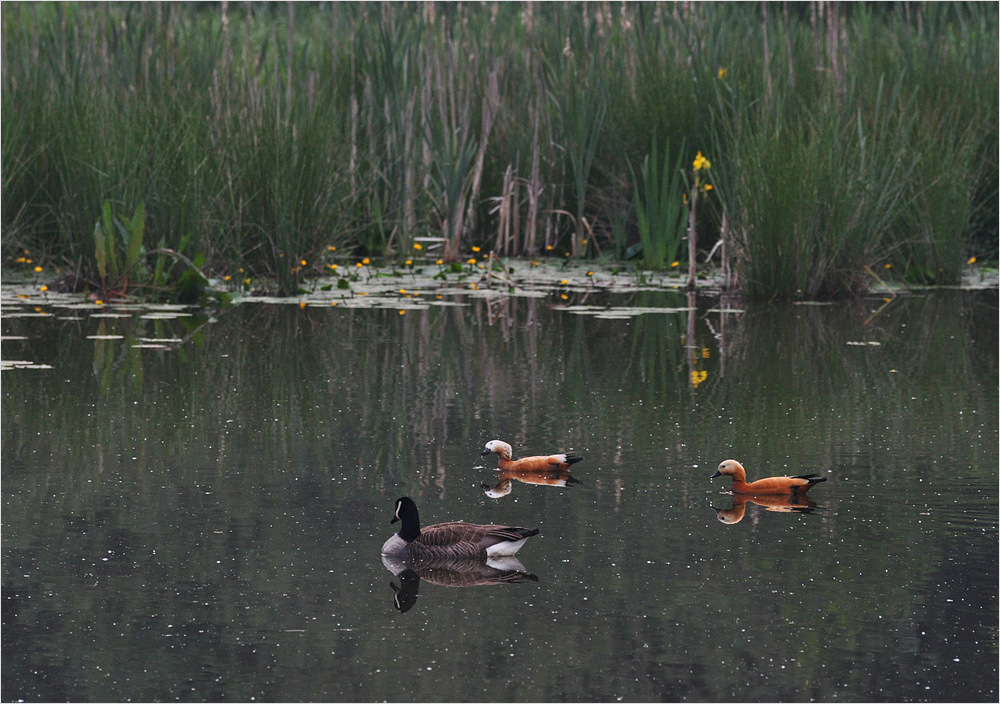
pixel 451 572
pixel 542 477
pixel 779 504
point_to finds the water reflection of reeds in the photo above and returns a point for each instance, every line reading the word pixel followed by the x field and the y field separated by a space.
pixel 229 475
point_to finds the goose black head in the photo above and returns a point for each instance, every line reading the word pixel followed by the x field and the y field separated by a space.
pixel 406 512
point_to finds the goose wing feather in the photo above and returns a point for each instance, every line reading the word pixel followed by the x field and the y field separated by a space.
pixel 458 539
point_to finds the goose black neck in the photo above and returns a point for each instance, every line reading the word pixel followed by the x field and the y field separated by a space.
pixel 409 517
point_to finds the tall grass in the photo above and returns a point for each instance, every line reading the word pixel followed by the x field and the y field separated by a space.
pixel 257 135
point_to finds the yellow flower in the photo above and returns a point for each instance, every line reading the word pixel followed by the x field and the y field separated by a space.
pixel 475 248
pixel 417 246
pixel 723 72
pixel 439 262
pixel 534 263
pixel 246 282
pixel 402 312
pixel 98 302
pixel 583 242
pixel 590 273
pixel 563 282
pixel 331 248
pixel 402 290
pixel 38 269
pixel 366 260
pixel 303 262
pixel 972 260
pixel 684 197
pixel 302 304
pixel 331 267
pixel 359 265
pixel 887 266
pixel 708 186
pixel 705 352
pixel 408 262
pixel 227 277
pixel 43 288
pixel 471 261
pixel 673 264
pixel 241 270
pixel 333 303
pixel 701 163
pixel 564 296
pixel 548 247
pixel 21 260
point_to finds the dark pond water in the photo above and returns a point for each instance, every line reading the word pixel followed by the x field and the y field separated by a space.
pixel 204 522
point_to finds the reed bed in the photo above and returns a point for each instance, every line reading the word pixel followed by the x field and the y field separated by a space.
pixel 261 137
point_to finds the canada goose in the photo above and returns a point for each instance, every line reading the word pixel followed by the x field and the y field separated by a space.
pixel 451 540
pixel 796 485
pixel 545 477
pixel 538 462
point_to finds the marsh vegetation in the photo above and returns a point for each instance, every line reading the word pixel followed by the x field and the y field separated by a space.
pixel 259 139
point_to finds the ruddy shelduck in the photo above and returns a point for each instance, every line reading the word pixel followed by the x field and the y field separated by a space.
pixel 453 540
pixel 796 485
pixel 528 464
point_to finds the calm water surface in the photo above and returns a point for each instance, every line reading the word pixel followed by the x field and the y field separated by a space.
pixel 204 523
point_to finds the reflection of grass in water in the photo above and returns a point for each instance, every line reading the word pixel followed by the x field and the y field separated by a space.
pixel 284 447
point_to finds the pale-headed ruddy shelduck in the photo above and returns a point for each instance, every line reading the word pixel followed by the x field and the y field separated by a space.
pixel 799 484
pixel 455 539
pixel 531 464
pixel 546 477
pixel 789 503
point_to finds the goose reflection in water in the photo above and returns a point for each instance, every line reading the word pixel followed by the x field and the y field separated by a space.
pixel 779 504
pixel 543 477
pixel 451 572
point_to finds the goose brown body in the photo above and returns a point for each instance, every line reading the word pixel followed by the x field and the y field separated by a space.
pixel 796 485
pixel 452 540
pixel 535 463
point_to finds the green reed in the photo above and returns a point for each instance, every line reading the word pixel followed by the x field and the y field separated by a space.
pixel 259 135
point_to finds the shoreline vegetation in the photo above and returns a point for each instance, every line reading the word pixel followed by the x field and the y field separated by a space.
pixel 806 150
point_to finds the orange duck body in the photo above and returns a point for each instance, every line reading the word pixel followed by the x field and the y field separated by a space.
pixel 796 485
pixel 528 464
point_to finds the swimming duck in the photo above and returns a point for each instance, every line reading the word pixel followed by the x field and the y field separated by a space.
pixel 799 484
pixel 538 462
pixel 455 539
